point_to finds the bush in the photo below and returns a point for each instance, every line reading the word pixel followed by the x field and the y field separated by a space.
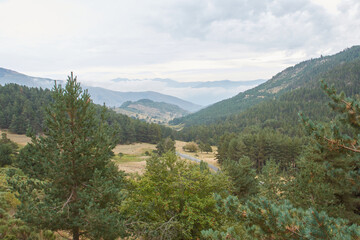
pixel 191 147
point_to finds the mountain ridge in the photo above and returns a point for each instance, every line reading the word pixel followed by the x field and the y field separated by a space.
pixel 150 111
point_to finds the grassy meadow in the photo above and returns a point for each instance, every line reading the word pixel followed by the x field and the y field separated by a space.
pixel 131 158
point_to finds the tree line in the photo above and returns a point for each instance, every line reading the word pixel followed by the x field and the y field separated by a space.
pixel 23 108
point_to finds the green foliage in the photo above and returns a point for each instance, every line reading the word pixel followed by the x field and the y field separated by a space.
pixel 260 146
pixel 262 219
pixel 174 199
pixel 327 179
pixel 243 176
pixel 22 107
pixel 271 182
pixel 165 145
pixel 191 147
pixel 8 150
pixel 76 187
pixel 205 147
pixel 334 161
pixel 348 110
pixel 10 226
pixel 319 185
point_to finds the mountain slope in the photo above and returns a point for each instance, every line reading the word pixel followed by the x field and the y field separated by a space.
pixel 281 113
pixel 290 79
pixel 98 95
pixel 9 76
pixel 158 112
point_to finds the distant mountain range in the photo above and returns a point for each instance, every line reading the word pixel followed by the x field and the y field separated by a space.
pixel 208 84
pixel 114 98
pixel 98 95
pixel 202 93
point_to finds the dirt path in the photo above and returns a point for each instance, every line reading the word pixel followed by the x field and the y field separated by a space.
pixel 196 160
pixel 210 157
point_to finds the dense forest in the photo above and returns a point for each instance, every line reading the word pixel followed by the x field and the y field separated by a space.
pixel 23 108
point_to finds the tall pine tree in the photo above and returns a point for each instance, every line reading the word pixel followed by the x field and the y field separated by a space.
pixel 75 186
pixel 339 151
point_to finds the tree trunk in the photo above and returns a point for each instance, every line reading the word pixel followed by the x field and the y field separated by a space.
pixel 76 233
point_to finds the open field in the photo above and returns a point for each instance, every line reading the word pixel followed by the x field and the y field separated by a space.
pixel 135 148
pixel 206 157
pixel 133 159
pixel 22 140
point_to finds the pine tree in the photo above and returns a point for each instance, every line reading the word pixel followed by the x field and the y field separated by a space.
pixel 317 185
pixel 8 150
pixel 207 148
pixel 271 182
pixel 77 187
pixel 165 145
pixel 243 177
pixel 263 219
pixel 348 110
pixel 340 152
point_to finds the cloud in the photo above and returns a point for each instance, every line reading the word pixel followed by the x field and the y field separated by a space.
pixel 258 24
pixel 180 39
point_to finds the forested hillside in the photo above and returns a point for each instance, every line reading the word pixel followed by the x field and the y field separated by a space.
pixel 281 112
pixel 23 108
pixel 303 75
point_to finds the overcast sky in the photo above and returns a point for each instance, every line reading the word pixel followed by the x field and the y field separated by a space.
pixel 185 40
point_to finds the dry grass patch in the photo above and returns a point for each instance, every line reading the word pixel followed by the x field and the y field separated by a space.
pixel 133 167
pixel 135 148
pixel 20 139
pixel 133 157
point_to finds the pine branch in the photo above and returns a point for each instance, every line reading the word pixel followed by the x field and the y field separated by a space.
pixel 67 201
pixel 335 142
